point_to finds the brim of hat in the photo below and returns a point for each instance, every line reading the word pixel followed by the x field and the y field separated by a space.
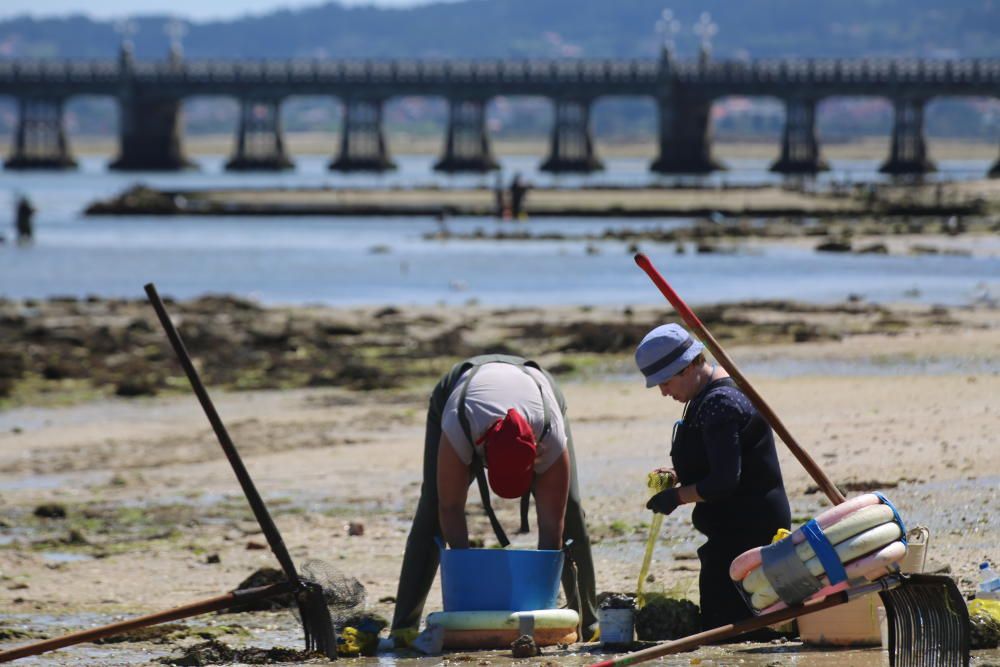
pixel 676 367
pixel 511 488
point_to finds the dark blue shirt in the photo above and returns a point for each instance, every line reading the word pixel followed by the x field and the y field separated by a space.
pixel 722 415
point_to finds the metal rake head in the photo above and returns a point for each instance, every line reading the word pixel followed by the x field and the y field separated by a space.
pixel 325 597
pixel 928 623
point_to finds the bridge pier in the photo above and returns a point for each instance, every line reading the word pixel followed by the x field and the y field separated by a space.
pixel 909 146
pixel 260 144
pixel 40 137
pixel 572 146
pixel 467 147
pixel 799 146
pixel 685 136
pixel 362 141
pixel 150 135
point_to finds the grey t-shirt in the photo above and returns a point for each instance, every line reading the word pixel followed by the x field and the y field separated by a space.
pixel 496 388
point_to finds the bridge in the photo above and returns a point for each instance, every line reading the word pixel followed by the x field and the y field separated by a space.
pixel 150 97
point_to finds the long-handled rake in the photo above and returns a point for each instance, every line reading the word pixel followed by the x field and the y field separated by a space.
pixel 314 590
pixel 927 617
pixel 316 621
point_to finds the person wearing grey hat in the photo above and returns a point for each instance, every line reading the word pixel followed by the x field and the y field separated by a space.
pixel 724 459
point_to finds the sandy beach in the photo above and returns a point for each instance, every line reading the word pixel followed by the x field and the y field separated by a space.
pixel 154 516
pixel 312 143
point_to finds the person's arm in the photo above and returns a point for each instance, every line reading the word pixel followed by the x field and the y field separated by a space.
pixel 689 494
pixel 551 495
pixel 453 489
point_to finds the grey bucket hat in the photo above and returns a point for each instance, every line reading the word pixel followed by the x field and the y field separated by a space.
pixel 664 352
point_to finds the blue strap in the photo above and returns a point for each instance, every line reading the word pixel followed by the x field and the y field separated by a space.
pixel 895 515
pixel 824 551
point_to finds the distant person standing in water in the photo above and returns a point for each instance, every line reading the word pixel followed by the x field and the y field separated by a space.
pixel 24 214
pixel 518 193
pixel 500 204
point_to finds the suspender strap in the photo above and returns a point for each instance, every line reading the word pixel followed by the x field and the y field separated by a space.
pixel 477 463
pixel 463 417
pixel 484 493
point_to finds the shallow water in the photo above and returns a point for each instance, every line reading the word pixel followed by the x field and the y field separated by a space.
pixel 324 260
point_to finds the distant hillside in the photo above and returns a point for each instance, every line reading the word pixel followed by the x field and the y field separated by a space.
pixel 546 28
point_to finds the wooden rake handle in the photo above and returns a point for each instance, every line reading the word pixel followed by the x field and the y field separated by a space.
pixel 186 611
pixel 267 525
pixel 696 325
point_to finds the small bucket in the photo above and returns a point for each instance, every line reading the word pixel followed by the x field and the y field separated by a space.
pixel 916 551
pixel 500 579
pixel 617 626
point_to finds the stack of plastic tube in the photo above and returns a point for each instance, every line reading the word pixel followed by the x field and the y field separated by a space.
pixel 861 539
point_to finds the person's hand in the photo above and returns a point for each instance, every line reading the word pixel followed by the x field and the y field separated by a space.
pixel 669 471
pixel 661 479
pixel 664 502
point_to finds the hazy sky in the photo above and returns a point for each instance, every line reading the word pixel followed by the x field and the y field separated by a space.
pixel 190 9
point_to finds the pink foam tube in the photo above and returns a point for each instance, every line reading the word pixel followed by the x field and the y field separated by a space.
pixel 748 560
pixel 872 566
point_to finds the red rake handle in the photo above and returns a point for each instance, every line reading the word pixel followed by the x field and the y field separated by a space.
pixel 831 491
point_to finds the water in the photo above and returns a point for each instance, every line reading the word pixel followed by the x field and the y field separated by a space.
pixel 336 260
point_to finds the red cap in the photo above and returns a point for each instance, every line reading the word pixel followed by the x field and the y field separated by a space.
pixel 510 455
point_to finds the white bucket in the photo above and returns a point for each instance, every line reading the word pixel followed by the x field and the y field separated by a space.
pixel 617 626
pixel 883 626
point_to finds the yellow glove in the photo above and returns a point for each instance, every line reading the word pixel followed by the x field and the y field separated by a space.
pixel 780 535
pixel 659 481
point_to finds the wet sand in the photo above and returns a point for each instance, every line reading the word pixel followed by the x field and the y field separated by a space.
pixel 910 410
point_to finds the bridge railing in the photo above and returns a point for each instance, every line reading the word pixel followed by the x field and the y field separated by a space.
pixel 44 71
pixel 834 71
pixel 412 72
pixel 535 72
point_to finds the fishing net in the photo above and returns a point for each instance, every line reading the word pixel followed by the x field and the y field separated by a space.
pixel 342 593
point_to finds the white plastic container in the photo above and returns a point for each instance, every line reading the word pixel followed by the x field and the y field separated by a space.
pixel 617 626
pixel 989 582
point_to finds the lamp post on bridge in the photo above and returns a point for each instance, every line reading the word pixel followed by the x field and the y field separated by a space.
pixel 667 27
pixel 175 31
pixel 705 29
pixel 126 28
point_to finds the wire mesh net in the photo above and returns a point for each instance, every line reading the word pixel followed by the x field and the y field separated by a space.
pixel 343 594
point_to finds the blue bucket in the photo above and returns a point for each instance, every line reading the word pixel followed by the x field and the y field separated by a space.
pixel 500 579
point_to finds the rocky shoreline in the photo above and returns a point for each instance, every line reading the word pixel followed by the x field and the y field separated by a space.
pixel 66 348
pixel 864 236
pixel 660 201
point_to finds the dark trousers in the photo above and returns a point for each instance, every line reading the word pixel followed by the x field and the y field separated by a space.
pixel 721 602
pixel 421 558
